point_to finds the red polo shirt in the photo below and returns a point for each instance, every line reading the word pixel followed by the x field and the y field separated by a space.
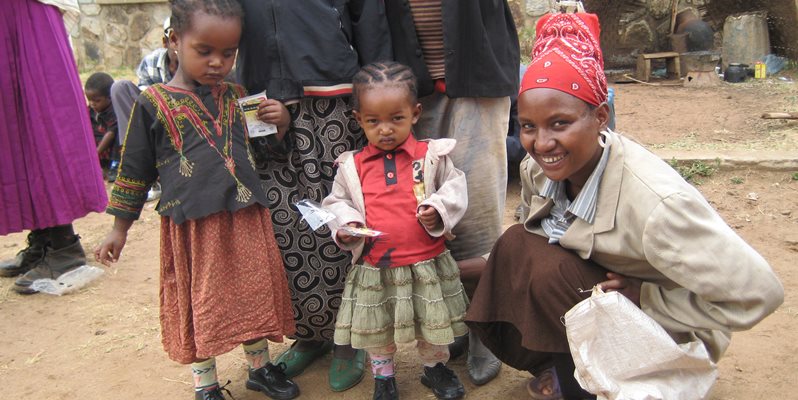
pixel 387 178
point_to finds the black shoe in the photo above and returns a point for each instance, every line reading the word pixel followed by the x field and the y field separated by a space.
pixel 458 347
pixel 385 389
pixel 213 394
pixel 27 257
pixel 443 382
pixel 271 380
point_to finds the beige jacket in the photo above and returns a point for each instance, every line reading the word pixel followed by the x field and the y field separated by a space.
pixel 701 280
pixel 444 189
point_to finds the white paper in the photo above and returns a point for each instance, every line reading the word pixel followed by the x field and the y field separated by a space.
pixel 314 214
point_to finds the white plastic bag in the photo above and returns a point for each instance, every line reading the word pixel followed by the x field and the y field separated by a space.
pixel 315 215
pixel 69 281
pixel 622 353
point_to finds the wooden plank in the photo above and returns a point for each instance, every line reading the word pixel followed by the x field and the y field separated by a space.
pixel 666 54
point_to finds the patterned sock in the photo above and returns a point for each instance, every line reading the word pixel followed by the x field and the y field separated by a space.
pixel 432 354
pixel 382 365
pixel 257 353
pixel 205 374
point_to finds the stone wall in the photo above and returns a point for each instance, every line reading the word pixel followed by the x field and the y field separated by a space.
pixel 628 27
pixel 116 34
pixel 631 27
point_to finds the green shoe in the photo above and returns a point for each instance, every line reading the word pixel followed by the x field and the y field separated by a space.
pixel 296 361
pixel 346 373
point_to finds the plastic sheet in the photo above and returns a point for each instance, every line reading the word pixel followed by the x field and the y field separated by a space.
pixel 68 282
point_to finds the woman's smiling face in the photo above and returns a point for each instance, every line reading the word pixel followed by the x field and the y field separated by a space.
pixel 560 132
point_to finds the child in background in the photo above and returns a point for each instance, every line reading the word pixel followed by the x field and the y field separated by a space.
pixel 404 285
pixel 103 121
pixel 222 278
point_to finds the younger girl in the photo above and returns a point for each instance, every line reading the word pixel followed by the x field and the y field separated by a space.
pixel 404 285
pixel 222 280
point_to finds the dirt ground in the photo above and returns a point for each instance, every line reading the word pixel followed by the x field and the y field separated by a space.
pixel 103 342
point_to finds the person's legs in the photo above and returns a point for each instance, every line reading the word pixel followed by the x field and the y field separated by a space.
pixel 204 373
pixel 123 94
pixel 437 376
pixel 322 129
pixel 480 127
pixel 382 367
pixel 527 285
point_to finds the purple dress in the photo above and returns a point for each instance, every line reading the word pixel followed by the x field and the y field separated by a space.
pixel 49 170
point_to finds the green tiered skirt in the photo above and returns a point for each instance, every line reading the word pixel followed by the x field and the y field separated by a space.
pixel 381 306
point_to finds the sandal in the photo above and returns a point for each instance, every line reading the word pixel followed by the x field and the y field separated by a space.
pixel 545 386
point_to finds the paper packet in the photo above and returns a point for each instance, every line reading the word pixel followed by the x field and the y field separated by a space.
pixel 249 107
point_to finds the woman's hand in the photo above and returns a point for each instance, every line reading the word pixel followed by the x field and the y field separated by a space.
pixel 629 287
pixel 274 112
pixel 429 217
pixel 346 238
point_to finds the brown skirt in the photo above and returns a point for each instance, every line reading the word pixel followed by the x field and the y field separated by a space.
pixel 222 283
pixel 527 285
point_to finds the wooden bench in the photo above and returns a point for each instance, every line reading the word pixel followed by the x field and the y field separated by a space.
pixel 672 66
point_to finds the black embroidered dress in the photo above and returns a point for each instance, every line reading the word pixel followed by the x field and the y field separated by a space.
pixel 192 141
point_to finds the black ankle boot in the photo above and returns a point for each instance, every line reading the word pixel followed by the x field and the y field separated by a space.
pixel 27 257
pixel 271 380
pixel 444 383
pixel 54 263
pixel 385 389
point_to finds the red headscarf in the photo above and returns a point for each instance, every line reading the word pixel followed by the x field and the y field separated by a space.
pixel 567 57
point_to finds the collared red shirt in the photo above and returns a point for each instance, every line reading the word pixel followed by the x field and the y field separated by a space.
pixel 387 179
pixel 564 212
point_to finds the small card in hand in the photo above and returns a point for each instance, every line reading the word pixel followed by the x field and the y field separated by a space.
pixel 360 231
pixel 255 127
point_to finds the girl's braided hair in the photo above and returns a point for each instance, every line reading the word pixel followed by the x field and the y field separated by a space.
pixel 384 72
pixel 182 10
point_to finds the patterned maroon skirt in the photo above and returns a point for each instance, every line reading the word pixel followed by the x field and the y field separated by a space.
pixel 222 283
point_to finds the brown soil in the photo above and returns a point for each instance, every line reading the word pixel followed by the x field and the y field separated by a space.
pixel 103 342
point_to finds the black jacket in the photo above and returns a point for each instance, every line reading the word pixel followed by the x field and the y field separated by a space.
pixel 481 44
pixel 287 45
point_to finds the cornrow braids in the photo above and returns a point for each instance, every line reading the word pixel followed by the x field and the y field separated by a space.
pixel 386 73
pixel 182 10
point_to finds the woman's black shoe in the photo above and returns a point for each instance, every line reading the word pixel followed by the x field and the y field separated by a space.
pixel 271 380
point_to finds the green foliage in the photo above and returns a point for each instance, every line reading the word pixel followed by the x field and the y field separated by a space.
pixel 695 169
pixel 736 180
pixel 795 176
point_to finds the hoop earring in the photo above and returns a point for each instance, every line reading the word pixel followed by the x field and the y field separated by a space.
pixel 602 138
